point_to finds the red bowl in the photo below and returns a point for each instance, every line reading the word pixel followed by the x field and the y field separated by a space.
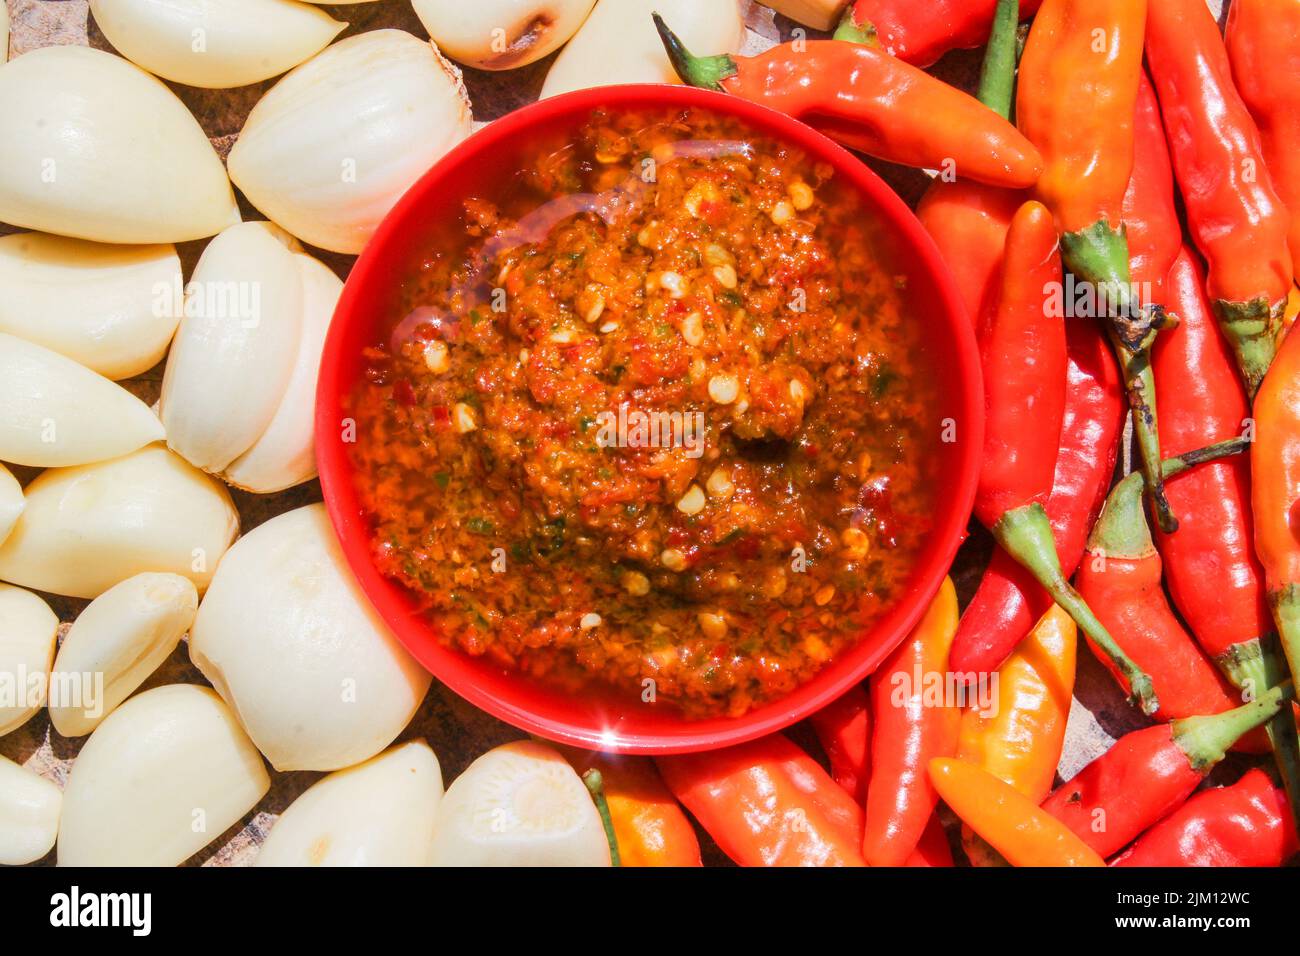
pixel 592 721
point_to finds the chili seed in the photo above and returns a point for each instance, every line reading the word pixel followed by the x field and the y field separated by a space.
pixel 801 195
pixel 693 329
pixel 609 327
pixel 723 389
pixel 816 648
pixel 463 415
pixel 726 276
pixel 720 485
pixel 855 541
pixel 672 559
pixel 775 584
pixel 698 195
pixel 714 626
pixel 635 583
pixel 782 213
pixel 435 357
pixel 562 337
pixel 824 595
pixel 691 503
pixel 797 391
pixel 715 255
pixel 673 284
pixel 589 620
pixel 591 303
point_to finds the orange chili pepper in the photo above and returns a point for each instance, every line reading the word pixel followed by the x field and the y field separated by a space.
pixel 650 826
pixel 767 803
pixel 913 722
pixel 870 101
pixel 1079 79
pixel 843 728
pixel 1008 820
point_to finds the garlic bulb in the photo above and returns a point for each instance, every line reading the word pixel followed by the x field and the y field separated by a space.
pixel 215 44
pixel 378 813
pixel 285 455
pixel 289 640
pixel 162 777
pixel 11 502
pixel 500 34
pixel 85 529
pixel 619 43
pixel 28 630
pixel 332 146
pixel 235 348
pixel 111 308
pixel 520 804
pixel 114 645
pixel 54 412
pixel 29 814
pixel 98 149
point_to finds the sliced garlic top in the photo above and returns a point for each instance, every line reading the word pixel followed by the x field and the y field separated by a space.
pixel 333 145
pixel 28 630
pixel 111 308
pixel 215 44
pixel 85 529
pixel 11 502
pixel 378 813
pixel 29 814
pixel 162 777
pixel 98 149
pixel 290 641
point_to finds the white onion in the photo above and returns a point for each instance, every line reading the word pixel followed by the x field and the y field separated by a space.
pixel 29 814
pixel 520 804
pixel 162 777
pixel 54 412
pixel 332 146
pixel 114 645
pixel 85 529
pixel 4 32
pixel 98 149
pixel 235 348
pixel 378 813
pixel 290 641
pixel 500 34
pixel 28 630
pixel 111 308
pixel 285 455
pixel 11 502
pixel 215 44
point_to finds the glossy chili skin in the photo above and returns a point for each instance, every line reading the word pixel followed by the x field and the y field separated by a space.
pixel 1149 209
pixel 920 33
pixel 843 728
pixel 1024 363
pixel 872 102
pixel 969 222
pixel 909 728
pixel 1263 39
pixel 933 850
pixel 1246 824
pixel 768 803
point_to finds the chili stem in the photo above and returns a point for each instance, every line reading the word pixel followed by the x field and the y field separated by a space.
pixel 596 787
pixel 1252 329
pixel 1206 740
pixel 1026 534
pixel 851 31
pixel 706 72
pixel 998 72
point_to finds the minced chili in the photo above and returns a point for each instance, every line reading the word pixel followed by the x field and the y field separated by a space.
pixel 655 419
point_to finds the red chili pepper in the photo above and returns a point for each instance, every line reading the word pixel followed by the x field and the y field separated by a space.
pixel 872 102
pixel 843 728
pixel 920 33
pixel 911 725
pixel 1233 211
pixel 1150 772
pixel 934 849
pixel 1150 210
pixel 1246 824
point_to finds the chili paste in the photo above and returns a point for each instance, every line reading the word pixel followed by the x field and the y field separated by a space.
pixel 657 423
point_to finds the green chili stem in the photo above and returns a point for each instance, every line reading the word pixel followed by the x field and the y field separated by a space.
pixel 1252 329
pixel 1207 739
pixel 851 31
pixel 706 72
pixel 998 72
pixel 596 787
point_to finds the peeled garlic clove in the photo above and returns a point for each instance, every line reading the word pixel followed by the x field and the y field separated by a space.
pixel 236 346
pixel 29 814
pixel 4 32
pixel 379 813
pixel 215 44
pixel 11 502
pixel 520 804
pixel 332 146
pixel 500 34
pixel 285 455
pixel 162 777
pixel 114 645
pixel 85 529
pixel 28 629
pixel 111 308
pixel 54 412
pixel 98 149
pixel 289 640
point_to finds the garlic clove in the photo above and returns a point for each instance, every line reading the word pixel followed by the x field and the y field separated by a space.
pixel 114 645
pixel 236 346
pixel 215 44
pixel 162 777
pixel 29 814
pixel 335 143
pixel 290 641
pixel 111 308
pixel 378 813
pixel 55 413
pixel 11 502
pixel 520 804
pixel 285 455
pixel 84 529
pixel 98 149
pixel 4 33
pixel 501 34
pixel 28 631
